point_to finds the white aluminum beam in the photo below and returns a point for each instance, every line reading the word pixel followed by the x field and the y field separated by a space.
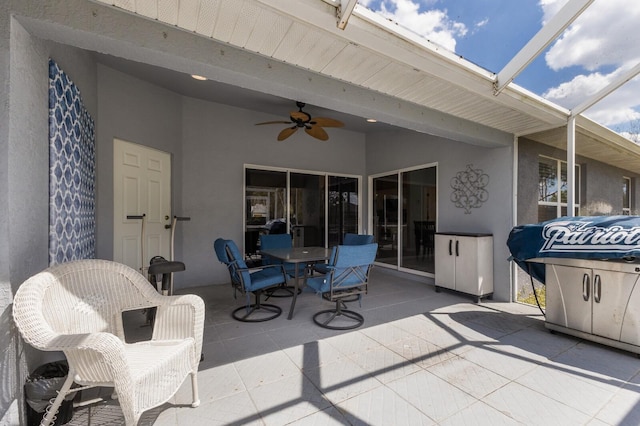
pixel 605 91
pixel 344 12
pixel 543 38
pixel 571 168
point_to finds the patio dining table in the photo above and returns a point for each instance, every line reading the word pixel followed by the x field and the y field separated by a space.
pixel 298 255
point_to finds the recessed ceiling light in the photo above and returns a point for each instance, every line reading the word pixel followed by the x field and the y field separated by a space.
pixel 371 120
pixel 198 77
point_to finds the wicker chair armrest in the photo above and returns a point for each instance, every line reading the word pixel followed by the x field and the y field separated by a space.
pixel 180 317
pixel 64 342
pixel 94 357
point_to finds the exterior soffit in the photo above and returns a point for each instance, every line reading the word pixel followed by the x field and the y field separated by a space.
pixel 375 55
pixel 364 54
pixel 595 142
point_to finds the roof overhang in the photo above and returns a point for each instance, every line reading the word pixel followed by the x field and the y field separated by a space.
pixel 370 52
pixel 412 82
pixel 595 142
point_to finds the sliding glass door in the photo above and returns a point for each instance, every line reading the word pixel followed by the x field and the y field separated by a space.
pixel 385 217
pixel 317 209
pixel 343 208
pixel 307 209
pixel 404 218
pixel 419 201
pixel 265 206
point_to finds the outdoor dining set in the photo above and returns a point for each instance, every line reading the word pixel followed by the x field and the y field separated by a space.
pixel 339 274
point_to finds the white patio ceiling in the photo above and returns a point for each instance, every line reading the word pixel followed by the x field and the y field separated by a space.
pixel 375 54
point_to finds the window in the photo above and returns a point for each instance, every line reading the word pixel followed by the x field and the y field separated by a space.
pixel 626 195
pixel 313 207
pixel 552 188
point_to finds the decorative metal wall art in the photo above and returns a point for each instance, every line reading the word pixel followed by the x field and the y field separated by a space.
pixel 71 172
pixel 469 188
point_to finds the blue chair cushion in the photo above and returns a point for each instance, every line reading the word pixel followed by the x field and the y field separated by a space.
pixel 320 284
pixel 277 241
pixel 348 269
pixel 228 253
pixel 266 277
pixel 219 246
pixel 349 240
pixel 357 239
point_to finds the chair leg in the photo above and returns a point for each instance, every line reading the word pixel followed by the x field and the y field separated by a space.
pixel 281 291
pixel 356 319
pixel 256 307
pixel 52 410
pixel 194 389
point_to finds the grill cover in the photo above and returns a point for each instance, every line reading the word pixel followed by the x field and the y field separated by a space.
pixel 581 237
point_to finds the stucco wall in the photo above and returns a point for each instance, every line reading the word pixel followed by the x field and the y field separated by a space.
pixel 25 247
pixel 388 152
pixel 217 142
pixel 135 111
pixel 209 143
pixel 600 186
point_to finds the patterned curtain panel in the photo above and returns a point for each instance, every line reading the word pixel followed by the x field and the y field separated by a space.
pixel 71 172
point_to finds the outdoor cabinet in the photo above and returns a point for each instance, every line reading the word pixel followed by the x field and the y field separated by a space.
pixel 464 263
pixel 595 300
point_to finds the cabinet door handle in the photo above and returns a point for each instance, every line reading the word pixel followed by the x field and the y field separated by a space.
pixel 450 243
pixel 597 288
pixel 586 284
pixel 457 246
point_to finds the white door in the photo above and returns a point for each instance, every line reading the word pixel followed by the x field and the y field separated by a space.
pixel 141 186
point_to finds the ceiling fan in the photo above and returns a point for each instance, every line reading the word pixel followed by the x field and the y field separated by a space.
pixel 301 119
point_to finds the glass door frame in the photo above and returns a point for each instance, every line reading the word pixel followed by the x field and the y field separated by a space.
pixel 288 172
pixel 371 211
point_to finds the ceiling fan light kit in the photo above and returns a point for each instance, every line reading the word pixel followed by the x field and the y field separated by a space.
pixel 300 119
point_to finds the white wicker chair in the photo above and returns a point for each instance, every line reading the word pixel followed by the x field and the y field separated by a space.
pixel 77 307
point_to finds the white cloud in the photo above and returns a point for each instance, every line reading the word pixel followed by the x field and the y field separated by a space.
pixel 433 24
pixel 603 38
pixel 614 109
pixel 605 34
pixel 600 44
pixel 550 8
pixel 482 23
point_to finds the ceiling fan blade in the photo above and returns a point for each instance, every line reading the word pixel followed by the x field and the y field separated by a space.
pixel 274 122
pixel 327 122
pixel 317 132
pixel 287 132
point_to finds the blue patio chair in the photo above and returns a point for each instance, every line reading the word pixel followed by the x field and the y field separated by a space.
pixel 348 276
pixel 349 240
pixel 250 280
pixel 357 239
pixel 280 241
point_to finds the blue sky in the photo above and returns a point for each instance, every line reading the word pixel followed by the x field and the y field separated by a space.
pixel 602 43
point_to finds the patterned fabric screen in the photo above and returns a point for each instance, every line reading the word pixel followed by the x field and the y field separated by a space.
pixel 71 172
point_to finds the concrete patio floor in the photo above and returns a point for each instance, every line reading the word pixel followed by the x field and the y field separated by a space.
pixel 421 358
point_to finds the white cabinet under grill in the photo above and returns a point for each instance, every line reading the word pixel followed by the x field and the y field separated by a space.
pixel 464 263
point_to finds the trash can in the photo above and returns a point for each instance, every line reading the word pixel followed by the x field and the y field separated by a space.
pixel 41 388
